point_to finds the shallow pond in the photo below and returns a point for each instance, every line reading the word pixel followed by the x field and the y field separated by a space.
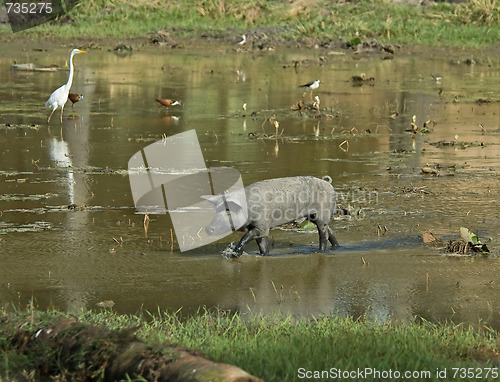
pixel 71 238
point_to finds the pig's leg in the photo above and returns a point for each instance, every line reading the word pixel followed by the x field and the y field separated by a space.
pixel 332 239
pixel 263 245
pixel 323 234
pixel 249 236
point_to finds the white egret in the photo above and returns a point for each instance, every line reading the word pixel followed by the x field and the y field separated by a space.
pixel 60 96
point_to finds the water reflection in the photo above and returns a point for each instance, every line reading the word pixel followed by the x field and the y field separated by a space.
pixel 59 153
pixel 98 249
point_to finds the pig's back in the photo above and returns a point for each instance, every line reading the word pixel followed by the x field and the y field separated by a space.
pixel 273 202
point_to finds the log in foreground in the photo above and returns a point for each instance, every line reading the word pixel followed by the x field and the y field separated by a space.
pixel 79 351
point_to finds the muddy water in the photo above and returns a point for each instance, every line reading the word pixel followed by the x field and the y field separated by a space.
pixel 97 249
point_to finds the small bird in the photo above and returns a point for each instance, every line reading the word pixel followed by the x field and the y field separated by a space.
pixel 167 102
pixel 74 98
pixel 242 41
pixel 311 85
pixel 60 96
pixel 437 77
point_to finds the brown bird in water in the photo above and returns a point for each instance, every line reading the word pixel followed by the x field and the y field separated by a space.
pixel 167 102
pixel 74 98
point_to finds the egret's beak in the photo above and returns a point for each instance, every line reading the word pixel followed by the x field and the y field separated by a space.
pixel 82 51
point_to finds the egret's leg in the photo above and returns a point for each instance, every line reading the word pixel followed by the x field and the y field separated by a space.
pixel 54 109
pixel 62 108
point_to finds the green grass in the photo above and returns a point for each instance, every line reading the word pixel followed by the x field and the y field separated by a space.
pixel 475 23
pixel 274 347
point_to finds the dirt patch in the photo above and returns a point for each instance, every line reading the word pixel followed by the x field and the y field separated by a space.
pixel 269 38
pixel 72 350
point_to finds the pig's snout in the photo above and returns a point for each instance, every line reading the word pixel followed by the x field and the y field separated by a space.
pixel 220 225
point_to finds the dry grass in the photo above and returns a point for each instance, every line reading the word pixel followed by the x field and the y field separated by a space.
pixel 485 12
pixel 251 12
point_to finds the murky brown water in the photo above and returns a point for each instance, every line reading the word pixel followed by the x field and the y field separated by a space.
pixel 75 258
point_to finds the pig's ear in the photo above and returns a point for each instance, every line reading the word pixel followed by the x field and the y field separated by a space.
pixel 236 198
pixel 233 206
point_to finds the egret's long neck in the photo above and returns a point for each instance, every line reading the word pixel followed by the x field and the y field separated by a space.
pixel 70 77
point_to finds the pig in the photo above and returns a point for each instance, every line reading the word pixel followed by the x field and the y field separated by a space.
pixel 269 203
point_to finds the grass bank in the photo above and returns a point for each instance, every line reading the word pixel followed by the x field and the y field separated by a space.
pixel 278 348
pixel 475 23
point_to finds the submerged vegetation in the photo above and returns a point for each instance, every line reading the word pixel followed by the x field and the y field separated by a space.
pixel 472 23
pixel 271 347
